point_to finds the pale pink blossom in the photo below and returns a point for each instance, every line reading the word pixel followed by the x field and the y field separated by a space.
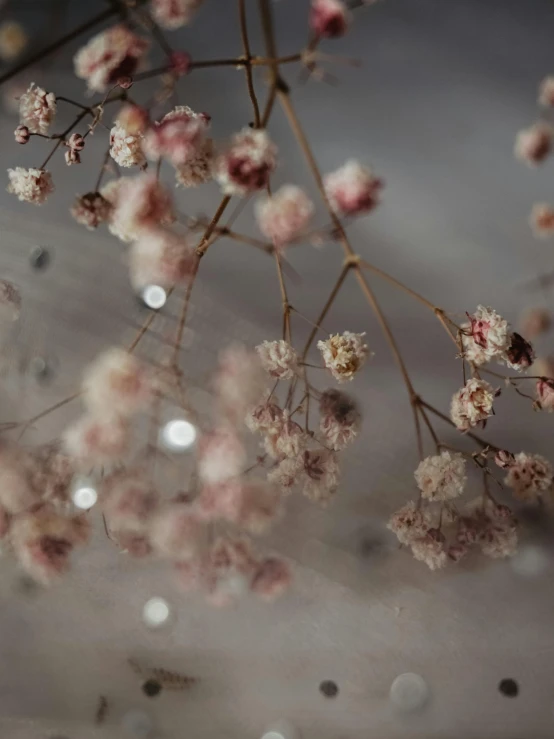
pixel 221 455
pixel 240 381
pixel 231 567
pixel 430 550
pixel 16 491
pixel 177 532
pixel 198 169
pixel 520 354
pixel 126 147
pixel 13 39
pixel 179 63
pixel 37 109
pixel 441 477
pixel 91 440
pixel 545 394
pixel 278 358
pixel 343 354
pixel 329 18
pixel 408 523
pixel 139 203
pixel 178 137
pixel 22 135
pixel 30 185
pixel 533 144
pixel 499 539
pixel 546 92
pixel 541 220
pixel 10 301
pixel 129 504
pixel 287 473
pixel 253 505
pixel 247 164
pixel 116 382
pixel 284 215
pixel 90 210
pixel 172 14
pixel 535 321
pixel 271 579
pixel 472 404
pixel 286 439
pixel 340 419
pixel 266 417
pixel 321 475
pixel 485 336
pixel 352 189
pixel 109 56
pixel 51 474
pixel 529 476
pixel 43 540
pixel 133 119
pixel 161 257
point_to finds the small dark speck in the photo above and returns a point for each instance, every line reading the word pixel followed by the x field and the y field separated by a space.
pixel 508 687
pixel 151 688
pixel 329 689
pixel 26 586
pixel 40 258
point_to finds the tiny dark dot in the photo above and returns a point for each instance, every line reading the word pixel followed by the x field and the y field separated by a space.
pixel 40 258
pixel 151 688
pixel 329 689
pixel 508 687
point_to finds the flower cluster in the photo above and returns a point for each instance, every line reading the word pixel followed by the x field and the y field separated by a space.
pixel 178 137
pixel 472 404
pixel 284 215
pixel 172 14
pixel 247 164
pixel 352 189
pixel 111 55
pixel 30 185
pixel 487 336
pixel 344 354
pixel 37 109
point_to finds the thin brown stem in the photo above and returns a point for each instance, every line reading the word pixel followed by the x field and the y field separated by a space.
pixel 284 299
pixel 183 317
pixel 326 307
pixel 205 241
pixel 248 68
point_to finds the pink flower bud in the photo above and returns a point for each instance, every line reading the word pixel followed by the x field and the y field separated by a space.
pixel 520 354
pixel 545 394
pixel 76 142
pixel 22 134
pixel 179 63
pixel 533 144
pixel 72 157
pixel 328 18
pixel 504 459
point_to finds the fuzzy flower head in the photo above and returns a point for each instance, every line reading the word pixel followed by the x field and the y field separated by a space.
pixel 441 477
pixel 343 354
pixel 126 147
pixel 160 257
pixel 430 550
pixel 284 215
pixel 30 185
pixel 109 56
pixel 221 456
pixel 287 439
pixel 352 189
pixel 91 440
pixel 266 417
pixel 279 359
pixel 545 394
pixel 408 523
pixel 472 404
pixel 37 109
pixel 321 475
pixel 16 490
pixel 43 540
pixel 546 92
pixel 178 137
pixel 230 570
pixel 271 579
pixel 198 169
pixel 520 354
pixel 138 203
pixel 239 382
pixel 247 164
pixel 129 505
pixel 541 220
pixel 286 474
pixel 329 18
pixel 177 532
pixel 533 144
pixel 13 39
pixel 172 14
pixel 529 476
pixel 252 505
pixel 117 383
pixel 340 419
pixel 90 210
pixel 486 336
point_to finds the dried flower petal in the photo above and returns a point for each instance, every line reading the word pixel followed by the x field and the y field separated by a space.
pixel 441 477
pixel 472 404
pixel 343 354
pixel 30 185
pixel 352 189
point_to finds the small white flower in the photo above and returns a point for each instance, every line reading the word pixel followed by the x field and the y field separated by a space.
pixel 472 404
pixel 278 358
pixel 529 476
pixel 37 109
pixel 344 354
pixel 486 336
pixel 441 477
pixel 30 185
pixel 408 523
pixel 126 147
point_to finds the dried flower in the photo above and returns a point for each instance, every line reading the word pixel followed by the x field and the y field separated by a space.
pixel 504 459
pixel 529 476
pixel 179 63
pixel 125 147
pixel 485 337
pixel 133 119
pixel 30 185
pixel 472 404
pixel 221 456
pixel 92 440
pixel 160 257
pixel 520 354
pixel 533 144
pixel 72 157
pixel 129 505
pixel 408 523
pixel 535 321
pixel 247 164
pixel 37 109
pixel 286 474
pixel 172 14
pixel 230 569
pixel 13 39
pixel 139 203
pixel 278 358
pixel 329 18
pixel 22 135
pixel 76 142
pixel 240 381
pixel 340 419
pixel 271 579
pixel 265 417
pixel 178 137
pixel 430 550
pixel 51 474
pixel 343 354
pixel 16 491
pixel 252 505
pixel 286 439
pixel 198 169
pixel 321 473
pixel 108 56
pixel 116 382
pixel 177 532
pixel 542 220
pixel 441 477
pixel 90 210
pixel 352 189
pixel 284 215
pixel 545 394
pixel 546 92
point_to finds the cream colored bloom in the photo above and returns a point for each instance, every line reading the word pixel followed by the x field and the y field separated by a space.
pixel 343 354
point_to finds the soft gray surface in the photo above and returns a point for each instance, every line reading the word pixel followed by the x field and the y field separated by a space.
pixel 444 88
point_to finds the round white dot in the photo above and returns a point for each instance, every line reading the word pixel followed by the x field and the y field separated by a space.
pixel 530 561
pixel 409 692
pixel 281 730
pixel 154 296
pixel 138 724
pixel 156 612
pixel 84 497
pixel 178 434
